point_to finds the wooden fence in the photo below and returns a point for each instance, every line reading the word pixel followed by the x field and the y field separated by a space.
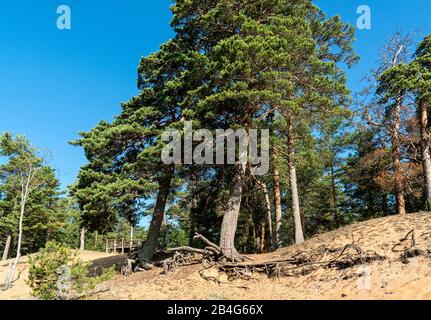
pixel 122 245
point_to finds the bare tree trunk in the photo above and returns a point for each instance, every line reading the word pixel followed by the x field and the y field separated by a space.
pixel 192 233
pixel 277 205
pixel 262 238
pixel 230 218
pixel 396 159
pixel 96 238
pixel 131 238
pixel 193 188
pixel 334 194
pixel 425 149
pixel 24 194
pixel 268 211
pixel 146 252
pixel 7 247
pixel 82 240
pixel 299 234
pixel 255 240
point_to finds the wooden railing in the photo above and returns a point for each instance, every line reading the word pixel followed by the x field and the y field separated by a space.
pixel 122 245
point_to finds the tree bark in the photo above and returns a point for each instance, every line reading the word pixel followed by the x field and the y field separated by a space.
pixel 230 218
pixel 277 205
pixel 6 247
pixel 299 234
pixel 425 149
pixel 396 159
pixel 146 252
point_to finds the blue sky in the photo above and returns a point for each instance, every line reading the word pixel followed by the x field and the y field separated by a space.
pixel 55 83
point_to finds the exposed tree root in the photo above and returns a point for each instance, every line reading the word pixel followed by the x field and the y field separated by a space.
pixel 404 241
pixel 302 263
pixel 298 264
pixel 408 251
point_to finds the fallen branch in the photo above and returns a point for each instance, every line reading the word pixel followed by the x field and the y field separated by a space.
pixel 412 243
pixel 187 249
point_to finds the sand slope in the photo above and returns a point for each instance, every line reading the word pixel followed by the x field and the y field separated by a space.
pixel 389 279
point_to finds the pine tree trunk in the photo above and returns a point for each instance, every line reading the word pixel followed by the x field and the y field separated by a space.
pixel 268 212
pixel 230 218
pixel 299 234
pixel 255 239
pixel 6 247
pixel 262 238
pixel 396 159
pixel 191 233
pixel 277 205
pixel 146 252
pixel 334 194
pixel 193 188
pixel 425 149
pixel 82 240
pixel 96 238
pixel 131 239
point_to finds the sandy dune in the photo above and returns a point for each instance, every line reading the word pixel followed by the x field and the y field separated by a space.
pixel 389 279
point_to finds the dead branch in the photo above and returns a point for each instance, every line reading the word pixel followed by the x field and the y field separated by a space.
pixel 208 243
pixel 187 249
pixel 412 243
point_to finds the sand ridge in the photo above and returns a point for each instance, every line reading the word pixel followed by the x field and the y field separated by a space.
pixel 388 279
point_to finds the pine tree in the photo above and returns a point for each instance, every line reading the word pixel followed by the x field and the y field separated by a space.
pixel 366 161
pixel 422 81
pixel 258 53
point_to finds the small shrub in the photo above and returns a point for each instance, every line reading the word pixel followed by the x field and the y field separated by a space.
pixel 55 273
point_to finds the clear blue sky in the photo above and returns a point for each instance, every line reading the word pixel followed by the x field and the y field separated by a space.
pixel 56 83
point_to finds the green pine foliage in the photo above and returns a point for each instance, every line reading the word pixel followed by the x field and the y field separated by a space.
pixel 56 273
